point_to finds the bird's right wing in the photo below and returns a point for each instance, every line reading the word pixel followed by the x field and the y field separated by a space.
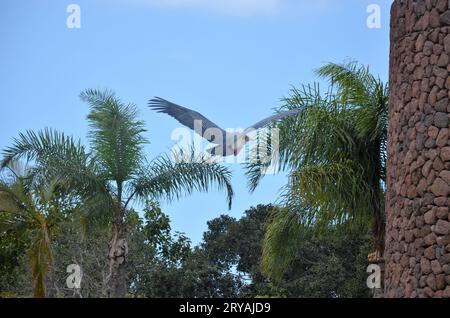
pixel 274 118
pixel 188 118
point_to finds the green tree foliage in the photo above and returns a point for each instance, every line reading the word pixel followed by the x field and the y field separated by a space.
pixel 114 172
pixel 228 263
pixel 335 152
pixel 76 204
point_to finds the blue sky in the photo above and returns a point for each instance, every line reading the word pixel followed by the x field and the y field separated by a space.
pixel 232 60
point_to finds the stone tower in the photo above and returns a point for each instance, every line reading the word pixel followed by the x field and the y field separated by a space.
pixel 418 173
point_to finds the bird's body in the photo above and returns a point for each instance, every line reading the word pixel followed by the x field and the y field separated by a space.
pixel 234 143
pixel 227 143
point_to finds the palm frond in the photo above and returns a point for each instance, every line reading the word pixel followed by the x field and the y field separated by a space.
pixel 336 193
pixel 44 145
pixel 322 131
pixel 57 156
pixel 354 82
pixel 169 179
pixel 336 154
pixel 115 135
pixel 282 237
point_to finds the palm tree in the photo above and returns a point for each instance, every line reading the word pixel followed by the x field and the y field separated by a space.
pixel 26 208
pixel 335 152
pixel 115 172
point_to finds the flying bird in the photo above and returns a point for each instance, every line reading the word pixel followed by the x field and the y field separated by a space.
pixel 227 143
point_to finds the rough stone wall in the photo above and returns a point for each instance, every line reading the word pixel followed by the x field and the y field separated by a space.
pixel 418 174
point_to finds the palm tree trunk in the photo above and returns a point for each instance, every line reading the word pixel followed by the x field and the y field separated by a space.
pixel 118 252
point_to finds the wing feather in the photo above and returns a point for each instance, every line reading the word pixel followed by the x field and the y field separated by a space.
pixel 274 118
pixel 186 117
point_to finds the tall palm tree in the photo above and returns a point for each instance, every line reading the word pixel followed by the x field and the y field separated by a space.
pixel 335 152
pixel 115 172
pixel 25 208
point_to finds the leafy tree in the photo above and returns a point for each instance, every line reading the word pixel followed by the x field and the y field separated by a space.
pixel 74 245
pixel 115 171
pixel 179 270
pixel 236 246
pixel 196 277
pixel 228 263
pixel 328 266
pixel 155 249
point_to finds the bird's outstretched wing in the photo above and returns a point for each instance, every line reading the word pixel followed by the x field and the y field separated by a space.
pixel 188 117
pixel 274 118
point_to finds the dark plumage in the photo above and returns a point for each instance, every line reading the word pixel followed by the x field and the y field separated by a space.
pixel 232 143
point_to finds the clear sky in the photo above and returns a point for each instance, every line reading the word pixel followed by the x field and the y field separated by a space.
pixel 232 60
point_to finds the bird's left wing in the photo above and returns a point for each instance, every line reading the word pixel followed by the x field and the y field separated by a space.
pixel 274 118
